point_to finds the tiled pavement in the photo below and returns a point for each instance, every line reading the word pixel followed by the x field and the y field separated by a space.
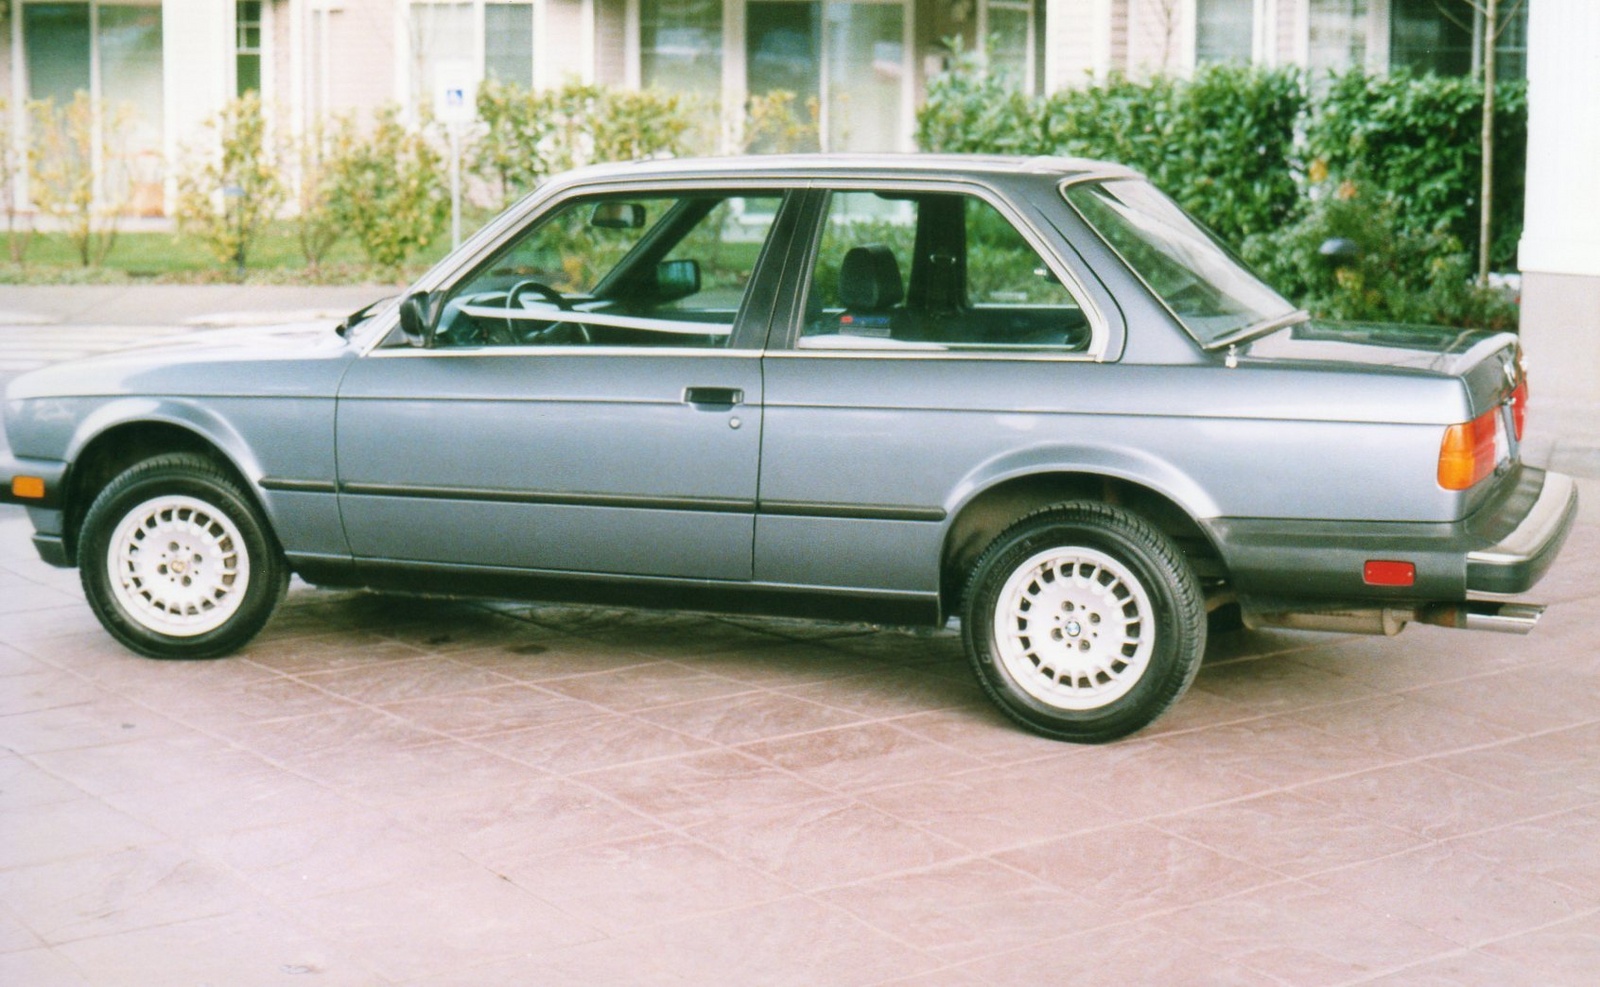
pixel 392 791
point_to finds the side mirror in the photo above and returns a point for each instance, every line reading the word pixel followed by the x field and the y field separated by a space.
pixel 1340 250
pixel 617 216
pixel 418 318
pixel 676 279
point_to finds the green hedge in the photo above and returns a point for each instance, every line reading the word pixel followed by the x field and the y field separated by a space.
pixel 1417 140
pixel 1224 143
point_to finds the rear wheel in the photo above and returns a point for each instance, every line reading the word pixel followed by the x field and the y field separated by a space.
pixel 177 562
pixel 1084 623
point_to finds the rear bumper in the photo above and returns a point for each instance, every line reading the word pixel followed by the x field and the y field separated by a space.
pixel 1504 548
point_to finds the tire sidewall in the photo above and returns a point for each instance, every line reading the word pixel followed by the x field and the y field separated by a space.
pixel 188 477
pixel 1178 618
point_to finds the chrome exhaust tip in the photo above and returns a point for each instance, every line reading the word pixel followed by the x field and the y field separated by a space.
pixel 1483 615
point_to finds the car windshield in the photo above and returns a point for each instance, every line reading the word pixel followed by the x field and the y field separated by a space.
pixel 1215 297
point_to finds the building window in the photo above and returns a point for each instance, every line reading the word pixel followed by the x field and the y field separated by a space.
pixel 247 46
pixel 680 45
pixel 1007 29
pixel 112 52
pixel 1444 37
pixel 494 39
pixel 1224 31
pixel 1338 37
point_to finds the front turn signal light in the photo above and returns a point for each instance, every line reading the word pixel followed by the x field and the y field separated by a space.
pixel 27 487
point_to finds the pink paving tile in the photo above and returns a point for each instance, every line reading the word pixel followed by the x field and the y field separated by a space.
pixel 697 788
pixel 344 647
pixel 1141 778
pixel 1279 750
pixel 330 854
pixel 822 844
pixel 1455 893
pixel 1277 684
pixel 430 771
pixel 649 880
pixel 345 728
pixel 792 942
pixel 862 756
pixel 995 809
pixel 557 658
pixel 985 733
pixel 104 894
pixel 502 827
pixel 748 717
pixel 43 966
pixel 1565 952
pixel 1425 800
pixel 1553 770
pixel 1305 936
pixel 1404 726
pixel 647 686
pixel 898 692
pixel 1563 848
pixel 24 785
pixel 1550 697
pixel 398 681
pixel 503 708
pixel 602 740
pixel 1134 953
pixel 784 664
pixel 961 911
pixel 1467 968
pixel 1289 833
pixel 252 945
pixel 106 719
pixel 416 928
pixel 45 689
pixel 1132 871
pixel 15 936
pixel 63 829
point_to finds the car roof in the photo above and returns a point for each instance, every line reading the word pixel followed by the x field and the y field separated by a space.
pixel 807 166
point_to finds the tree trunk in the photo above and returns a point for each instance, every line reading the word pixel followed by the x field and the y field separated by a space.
pixel 1491 23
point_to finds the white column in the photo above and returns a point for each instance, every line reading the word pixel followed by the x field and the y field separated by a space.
pixel 1560 250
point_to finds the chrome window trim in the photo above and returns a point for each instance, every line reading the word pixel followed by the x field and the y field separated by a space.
pixel 1099 327
pixel 452 352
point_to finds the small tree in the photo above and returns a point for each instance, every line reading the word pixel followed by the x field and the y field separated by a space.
pixel 231 190
pixel 13 165
pixel 388 188
pixel 62 156
pixel 316 227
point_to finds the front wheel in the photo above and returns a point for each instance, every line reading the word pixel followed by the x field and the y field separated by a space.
pixel 177 562
pixel 1084 623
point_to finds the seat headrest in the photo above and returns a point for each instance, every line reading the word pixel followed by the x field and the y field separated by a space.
pixel 869 279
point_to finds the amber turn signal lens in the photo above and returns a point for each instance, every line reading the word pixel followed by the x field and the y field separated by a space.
pixel 1467 453
pixel 27 487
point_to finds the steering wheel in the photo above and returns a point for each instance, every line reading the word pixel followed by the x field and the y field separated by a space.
pixel 513 301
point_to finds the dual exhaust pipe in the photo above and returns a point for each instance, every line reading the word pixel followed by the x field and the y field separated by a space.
pixel 1474 615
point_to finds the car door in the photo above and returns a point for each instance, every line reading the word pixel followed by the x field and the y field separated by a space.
pixel 933 328
pixel 589 401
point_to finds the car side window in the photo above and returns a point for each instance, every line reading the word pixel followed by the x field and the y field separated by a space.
pixel 935 271
pixel 617 270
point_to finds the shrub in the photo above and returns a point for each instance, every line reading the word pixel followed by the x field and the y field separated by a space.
pixel 773 124
pixel 1418 139
pixel 1395 274
pixel 316 227
pixel 230 189
pixel 387 188
pixel 1222 144
pixel 529 136
pixel 63 183
pixel 13 164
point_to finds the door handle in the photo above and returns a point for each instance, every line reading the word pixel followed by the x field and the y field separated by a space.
pixel 713 398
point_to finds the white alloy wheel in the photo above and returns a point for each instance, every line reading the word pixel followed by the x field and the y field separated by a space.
pixel 178 566
pixel 1074 628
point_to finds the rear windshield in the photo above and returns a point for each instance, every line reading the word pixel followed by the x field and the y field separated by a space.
pixel 1212 294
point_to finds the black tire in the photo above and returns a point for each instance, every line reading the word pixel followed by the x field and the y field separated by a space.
pixel 1101 593
pixel 177 562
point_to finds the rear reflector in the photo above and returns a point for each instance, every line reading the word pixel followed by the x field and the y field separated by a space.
pixel 1378 572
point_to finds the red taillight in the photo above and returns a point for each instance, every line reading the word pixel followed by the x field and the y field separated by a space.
pixel 1469 451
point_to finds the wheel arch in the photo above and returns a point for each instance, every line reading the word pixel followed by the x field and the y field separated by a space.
pixel 990 510
pixel 110 443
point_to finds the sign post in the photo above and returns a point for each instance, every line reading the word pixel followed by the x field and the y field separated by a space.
pixel 454 84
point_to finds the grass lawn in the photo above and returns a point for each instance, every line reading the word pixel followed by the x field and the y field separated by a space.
pixel 168 256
